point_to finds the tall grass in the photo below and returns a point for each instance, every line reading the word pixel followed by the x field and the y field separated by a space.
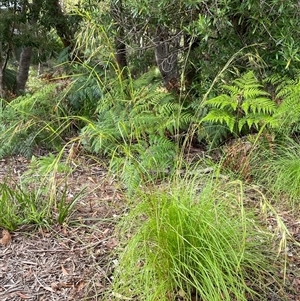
pixel 197 245
pixel 279 171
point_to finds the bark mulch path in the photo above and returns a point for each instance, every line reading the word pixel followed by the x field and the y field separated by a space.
pixel 75 261
pixel 68 262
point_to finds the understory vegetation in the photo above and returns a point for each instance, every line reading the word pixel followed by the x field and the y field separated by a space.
pixel 202 161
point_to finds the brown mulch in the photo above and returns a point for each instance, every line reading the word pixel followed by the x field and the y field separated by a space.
pixel 75 261
pixel 69 262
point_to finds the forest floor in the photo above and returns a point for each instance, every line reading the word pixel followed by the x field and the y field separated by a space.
pixel 75 261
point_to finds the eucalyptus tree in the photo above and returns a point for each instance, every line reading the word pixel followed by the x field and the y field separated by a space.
pixel 25 26
pixel 65 21
pixel 193 40
pixel 9 17
pixel 19 33
pixel 28 31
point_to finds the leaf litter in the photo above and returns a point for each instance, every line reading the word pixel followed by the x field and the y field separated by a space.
pixel 63 262
pixel 75 261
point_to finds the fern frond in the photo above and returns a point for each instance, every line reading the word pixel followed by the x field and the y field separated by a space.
pixel 219 116
pixel 255 92
pixel 256 120
pixel 222 101
pixel 288 111
pixel 246 99
pixel 248 79
pixel 233 90
pixel 258 105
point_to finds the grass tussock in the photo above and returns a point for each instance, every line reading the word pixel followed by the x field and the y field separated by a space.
pixel 279 172
pixel 191 245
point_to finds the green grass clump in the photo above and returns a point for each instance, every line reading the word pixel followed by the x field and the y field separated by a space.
pixel 41 197
pixel 19 207
pixel 279 171
pixel 191 244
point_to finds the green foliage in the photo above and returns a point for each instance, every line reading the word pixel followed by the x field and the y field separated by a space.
pixel 190 244
pixel 47 164
pixel 279 171
pixel 136 126
pixel 221 29
pixel 287 94
pixel 85 92
pixel 10 79
pixel 144 162
pixel 246 105
pixel 32 119
pixel 19 206
pixel 65 206
pixel 41 198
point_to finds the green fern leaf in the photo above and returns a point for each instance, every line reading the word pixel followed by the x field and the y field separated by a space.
pixel 233 90
pixel 223 117
pixel 222 101
pixel 258 105
pixel 255 92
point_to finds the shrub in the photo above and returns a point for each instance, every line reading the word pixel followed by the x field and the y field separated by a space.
pixel 137 126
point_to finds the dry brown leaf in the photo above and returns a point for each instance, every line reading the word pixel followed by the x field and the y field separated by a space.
pixel 91 179
pixel 55 286
pixel 112 243
pixel 22 296
pixel 64 284
pixel 48 288
pixel 64 271
pixel 106 231
pixel 29 273
pixel 181 293
pixel 80 285
pixel 121 297
pixel 6 238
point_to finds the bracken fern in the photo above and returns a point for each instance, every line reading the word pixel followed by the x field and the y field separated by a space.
pixel 287 97
pixel 136 125
pixel 31 119
pixel 245 105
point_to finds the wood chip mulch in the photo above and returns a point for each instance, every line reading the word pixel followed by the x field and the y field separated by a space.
pixel 69 262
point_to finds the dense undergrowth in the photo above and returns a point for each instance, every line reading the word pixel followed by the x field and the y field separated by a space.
pixel 202 159
pixel 189 234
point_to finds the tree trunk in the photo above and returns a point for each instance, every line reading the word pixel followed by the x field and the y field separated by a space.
pixel 120 54
pixel 2 92
pixel 63 30
pixel 1 74
pixel 166 55
pixel 3 65
pixel 23 71
pixel 116 10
